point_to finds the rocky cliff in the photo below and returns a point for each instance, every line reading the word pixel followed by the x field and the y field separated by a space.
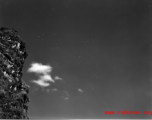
pixel 13 90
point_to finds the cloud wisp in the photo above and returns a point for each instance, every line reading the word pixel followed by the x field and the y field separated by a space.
pixel 43 73
pixel 66 95
pixel 80 90
pixel 55 89
pixel 57 78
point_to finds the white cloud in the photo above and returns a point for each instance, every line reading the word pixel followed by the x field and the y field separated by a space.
pixel 39 68
pixel 80 90
pixel 43 72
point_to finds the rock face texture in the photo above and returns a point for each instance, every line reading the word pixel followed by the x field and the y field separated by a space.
pixel 13 90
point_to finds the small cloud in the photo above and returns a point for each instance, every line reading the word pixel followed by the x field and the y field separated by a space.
pixel 80 90
pixel 65 98
pixel 57 78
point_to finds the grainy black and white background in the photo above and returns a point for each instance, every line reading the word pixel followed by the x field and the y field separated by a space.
pixel 85 56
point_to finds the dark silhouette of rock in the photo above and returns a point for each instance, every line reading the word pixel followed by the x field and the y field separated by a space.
pixel 13 90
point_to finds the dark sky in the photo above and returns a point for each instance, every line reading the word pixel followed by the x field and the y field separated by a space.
pixel 100 48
